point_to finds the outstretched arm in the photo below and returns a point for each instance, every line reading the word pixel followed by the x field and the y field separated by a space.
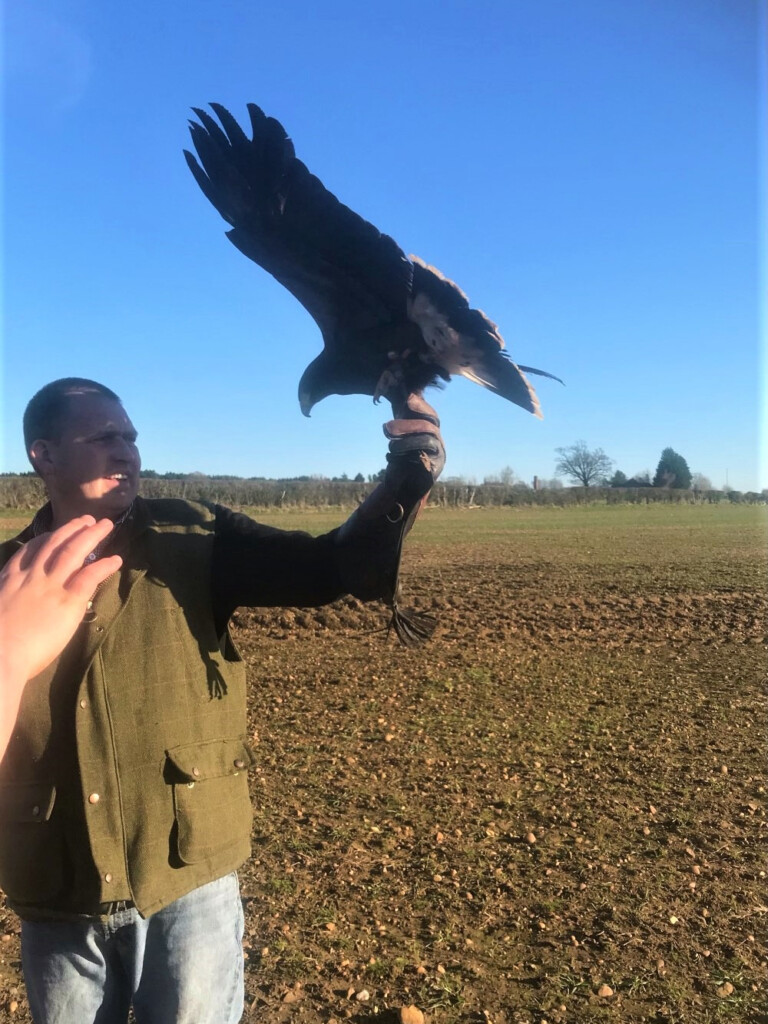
pixel 256 565
pixel 370 543
pixel 44 590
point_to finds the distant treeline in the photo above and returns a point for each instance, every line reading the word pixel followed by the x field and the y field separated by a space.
pixel 25 492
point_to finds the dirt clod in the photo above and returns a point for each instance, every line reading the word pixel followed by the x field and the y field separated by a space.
pixel 411 1015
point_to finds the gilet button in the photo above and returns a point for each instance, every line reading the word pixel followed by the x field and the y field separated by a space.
pixel 83 703
pixel 196 772
pixel 108 877
pixel 239 763
pixel 93 798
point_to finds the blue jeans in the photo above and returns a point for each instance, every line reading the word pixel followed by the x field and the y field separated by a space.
pixel 182 965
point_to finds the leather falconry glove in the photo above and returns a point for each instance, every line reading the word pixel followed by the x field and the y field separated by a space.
pixel 371 540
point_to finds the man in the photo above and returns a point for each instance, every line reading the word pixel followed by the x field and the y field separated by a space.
pixel 124 809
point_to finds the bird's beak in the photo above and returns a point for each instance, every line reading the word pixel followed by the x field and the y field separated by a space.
pixel 306 403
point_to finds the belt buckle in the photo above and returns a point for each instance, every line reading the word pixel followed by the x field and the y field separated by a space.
pixel 117 907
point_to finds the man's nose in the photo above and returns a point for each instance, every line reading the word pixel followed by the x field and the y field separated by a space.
pixel 124 450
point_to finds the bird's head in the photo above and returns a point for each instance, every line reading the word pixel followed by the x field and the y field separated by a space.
pixel 313 386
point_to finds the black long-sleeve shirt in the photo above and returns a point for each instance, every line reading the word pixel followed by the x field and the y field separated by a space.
pixel 258 566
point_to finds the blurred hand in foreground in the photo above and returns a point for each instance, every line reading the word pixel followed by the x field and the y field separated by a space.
pixel 44 592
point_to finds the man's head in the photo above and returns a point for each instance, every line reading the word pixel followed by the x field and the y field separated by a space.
pixel 80 440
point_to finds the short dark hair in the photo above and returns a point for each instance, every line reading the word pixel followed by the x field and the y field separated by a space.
pixel 46 410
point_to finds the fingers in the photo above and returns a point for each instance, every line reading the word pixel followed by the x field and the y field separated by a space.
pixel 412 416
pixel 70 545
pixel 424 447
pixel 402 428
pixel 83 583
pixel 28 555
pixel 70 549
pixel 46 583
pixel 68 560
pixel 414 407
pixel 416 430
pixel 61 553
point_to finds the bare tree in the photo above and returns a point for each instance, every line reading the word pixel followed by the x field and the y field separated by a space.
pixel 699 482
pixel 583 465
pixel 507 476
pixel 554 484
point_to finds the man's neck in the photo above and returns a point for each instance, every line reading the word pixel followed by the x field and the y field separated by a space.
pixel 58 514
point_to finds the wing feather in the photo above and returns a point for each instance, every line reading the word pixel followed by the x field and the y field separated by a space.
pixel 347 274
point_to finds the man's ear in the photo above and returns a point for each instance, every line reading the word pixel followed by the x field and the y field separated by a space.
pixel 40 457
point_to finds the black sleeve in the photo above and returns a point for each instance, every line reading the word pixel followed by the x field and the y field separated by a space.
pixel 258 565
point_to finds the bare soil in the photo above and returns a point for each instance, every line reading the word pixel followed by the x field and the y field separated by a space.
pixel 552 812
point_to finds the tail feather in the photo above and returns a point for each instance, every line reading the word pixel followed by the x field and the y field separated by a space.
pixel 540 373
pixel 500 375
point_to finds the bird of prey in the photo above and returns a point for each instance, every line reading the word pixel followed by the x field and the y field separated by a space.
pixel 390 323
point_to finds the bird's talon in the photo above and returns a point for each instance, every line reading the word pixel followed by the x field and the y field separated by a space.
pixel 388 381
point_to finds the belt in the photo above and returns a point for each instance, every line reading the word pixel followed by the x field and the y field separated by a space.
pixel 115 907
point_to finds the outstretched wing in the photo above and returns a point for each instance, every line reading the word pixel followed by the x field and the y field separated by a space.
pixel 348 275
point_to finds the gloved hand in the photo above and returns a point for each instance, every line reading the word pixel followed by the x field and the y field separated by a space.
pixel 416 459
pixel 370 542
pixel 415 430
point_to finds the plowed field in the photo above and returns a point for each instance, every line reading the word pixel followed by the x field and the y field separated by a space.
pixel 552 812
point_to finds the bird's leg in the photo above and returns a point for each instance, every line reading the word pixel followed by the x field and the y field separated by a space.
pixel 388 383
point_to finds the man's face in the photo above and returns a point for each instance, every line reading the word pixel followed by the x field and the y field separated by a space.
pixel 94 466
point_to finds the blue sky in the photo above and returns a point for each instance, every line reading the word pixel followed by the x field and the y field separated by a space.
pixel 588 171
